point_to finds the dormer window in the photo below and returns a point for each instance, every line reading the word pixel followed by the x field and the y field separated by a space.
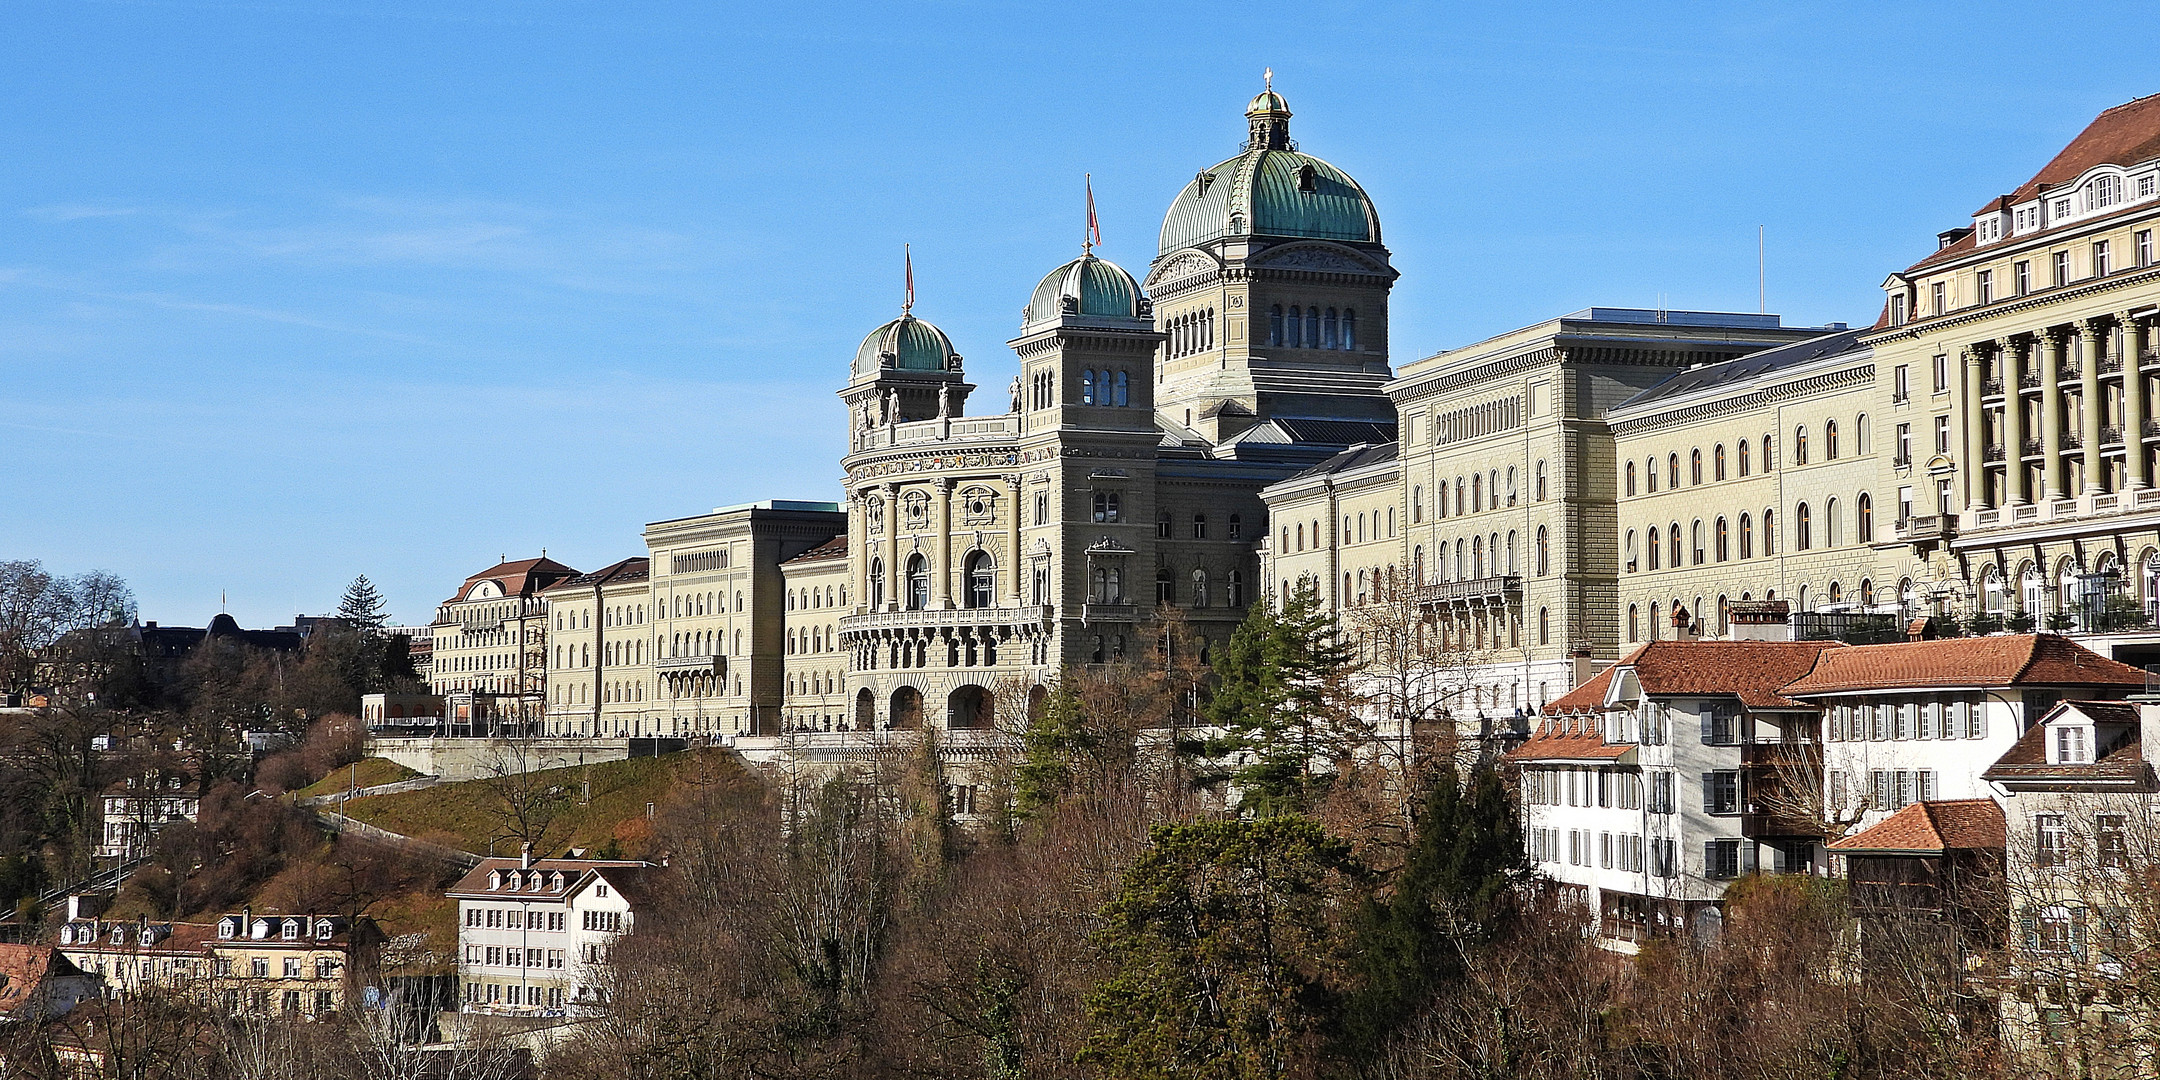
pixel 2102 192
pixel 495 880
pixel 2073 746
pixel 292 930
pixel 323 929
pixel 226 928
pixel 1202 182
pixel 1308 181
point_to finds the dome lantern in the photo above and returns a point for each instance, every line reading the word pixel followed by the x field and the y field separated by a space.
pixel 1269 119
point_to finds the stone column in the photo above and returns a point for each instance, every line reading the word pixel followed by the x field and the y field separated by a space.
pixel 893 578
pixel 2134 338
pixel 1016 563
pixel 941 574
pixel 2012 356
pixel 2091 330
pixel 2051 358
pixel 1975 468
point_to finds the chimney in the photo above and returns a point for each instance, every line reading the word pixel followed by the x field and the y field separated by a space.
pixel 524 856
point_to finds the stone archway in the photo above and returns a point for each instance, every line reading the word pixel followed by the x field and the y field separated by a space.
pixel 1037 695
pixel 906 712
pixel 969 708
pixel 865 710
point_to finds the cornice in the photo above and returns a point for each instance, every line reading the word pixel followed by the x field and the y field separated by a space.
pixel 1857 375
pixel 1917 331
pixel 1419 387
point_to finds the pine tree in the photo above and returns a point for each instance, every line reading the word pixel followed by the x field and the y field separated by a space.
pixel 1450 897
pixel 1283 708
pixel 362 606
pixel 1047 749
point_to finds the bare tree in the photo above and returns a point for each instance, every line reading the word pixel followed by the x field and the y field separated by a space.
pixel 527 800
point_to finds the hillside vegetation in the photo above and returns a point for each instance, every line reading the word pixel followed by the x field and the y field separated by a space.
pixel 367 772
pixel 601 807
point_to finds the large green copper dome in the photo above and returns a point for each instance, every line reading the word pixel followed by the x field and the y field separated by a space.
pixel 1096 287
pixel 1270 190
pixel 906 343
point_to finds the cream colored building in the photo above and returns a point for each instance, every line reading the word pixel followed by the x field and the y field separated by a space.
pixel 600 675
pixel 490 648
pixel 818 591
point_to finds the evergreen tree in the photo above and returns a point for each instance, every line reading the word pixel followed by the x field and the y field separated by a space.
pixel 1451 897
pixel 362 606
pixel 1047 748
pixel 1283 707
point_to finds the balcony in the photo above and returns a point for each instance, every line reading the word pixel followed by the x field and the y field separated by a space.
pixel 1024 615
pixel 2112 433
pixel 2029 381
pixel 1902 461
pixel 1994 453
pixel 2072 439
pixel 1932 529
pixel 702 665
pixel 2111 364
pixel 1491 589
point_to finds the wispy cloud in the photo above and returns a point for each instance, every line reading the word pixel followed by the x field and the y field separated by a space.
pixel 65 212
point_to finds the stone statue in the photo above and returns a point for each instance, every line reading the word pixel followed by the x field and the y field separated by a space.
pixel 1015 388
pixel 944 401
pixel 892 409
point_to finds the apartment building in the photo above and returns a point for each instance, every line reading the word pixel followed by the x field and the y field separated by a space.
pixel 489 644
pixel 293 965
pixel 817 588
pixel 534 935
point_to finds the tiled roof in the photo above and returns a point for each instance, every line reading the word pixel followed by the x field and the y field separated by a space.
pixel 2127 134
pixel 178 938
pixel 475 881
pixel 634 883
pixel 2122 764
pixel 1356 457
pixel 1933 826
pixel 835 548
pixel 518 577
pixel 23 971
pixel 1553 743
pixel 1752 671
pixel 2004 660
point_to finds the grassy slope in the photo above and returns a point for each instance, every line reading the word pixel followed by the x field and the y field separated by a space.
pixel 369 772
pixel 467 814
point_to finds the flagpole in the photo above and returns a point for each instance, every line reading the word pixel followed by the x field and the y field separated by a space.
pixel 907 254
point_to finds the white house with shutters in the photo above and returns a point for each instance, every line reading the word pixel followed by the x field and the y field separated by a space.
pixel 535 935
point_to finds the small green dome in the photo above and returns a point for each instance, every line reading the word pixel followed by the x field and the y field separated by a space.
pixel 1094 286
pixel 906 343
pixel 1268 103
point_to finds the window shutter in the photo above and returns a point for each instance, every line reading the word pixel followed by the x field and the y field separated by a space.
pixel 1748 852
pixel 2029 926
pixel 1709 858
pixel 1709 731
pixel 1978 728
pixel 1709 793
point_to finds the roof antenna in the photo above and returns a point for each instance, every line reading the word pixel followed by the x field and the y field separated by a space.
pixel 907 254
pixel 1092 238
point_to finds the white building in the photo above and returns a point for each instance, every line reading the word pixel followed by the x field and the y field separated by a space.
pixel 534 935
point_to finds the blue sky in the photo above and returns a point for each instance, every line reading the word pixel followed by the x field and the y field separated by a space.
pixel 294 291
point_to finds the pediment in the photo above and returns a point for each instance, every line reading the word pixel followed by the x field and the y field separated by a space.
pixel 1324 257
pixel 1185 264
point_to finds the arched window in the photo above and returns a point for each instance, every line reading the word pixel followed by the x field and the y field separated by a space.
pixel 1417 505
pixel 1123 394
pixel 1237 526
pixel 1106 507
pixel 1650 476
pixel 981 580
pixel 1630 485
pixel 1349 329
pixel 1087 386
pixel 1829 440
pixel 1743 458
pixel 918 582
pixel 1301 536
pixel 1539 493
pixel 1327 330
pixel 1544 626
pixel 1656 549
pixel 1165 586
pixel 1723 550
pixel 1634 624
pixel 1654 625
pixel 1477 492
pixel 877 583
pixel 1631 551
pixel 1717 462
pixel 1274 325
pixel 1695 534
pixel 1695 466
pixel 1672 542
pixel 1510 485
pixel 1236 584
pixel 1294 336
pixel 1833 529
pixel 1801 528
pixel 1865 533
pixel 1747 537
pixel 1769 532
pixel 1861 436
pixel 1477 556
pixel 1312 328
pixel 1799 453
pixel 1544 552
pixel 1672 470
pixel 1769 453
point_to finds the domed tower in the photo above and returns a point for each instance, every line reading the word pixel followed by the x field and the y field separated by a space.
pixel 1087 342
pixel 905 370
pixel 1271 289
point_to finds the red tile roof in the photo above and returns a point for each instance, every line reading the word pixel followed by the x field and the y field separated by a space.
pixel 519 577
pixel 2123 763
pixel 475 881
pixel 2127 134
pixel 1933 826
pixel 2005 660
pixel 24 970
pixel 1552 743
pixel 1753 671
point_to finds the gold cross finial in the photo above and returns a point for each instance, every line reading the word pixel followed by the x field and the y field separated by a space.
pixel 1267 75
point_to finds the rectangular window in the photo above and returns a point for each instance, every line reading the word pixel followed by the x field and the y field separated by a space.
pixel 2143 243
pixel 2111 847
pixel 1904 788
pixel 1900 383
pixel 1903 450
pixel 1879 793
pixel 1604 850
pixel 2021 276
pixel 2061 267
pixel 1984 283
pixel 1721 792
pixel 1927 720
pixel 1661 793
pixel 1942 434
pixel 1837 791
pixel 1942 374
pixel 2051 840
pixel 2101 261
pixel 1941 304
pixel 2070 748
pixel 1721 859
